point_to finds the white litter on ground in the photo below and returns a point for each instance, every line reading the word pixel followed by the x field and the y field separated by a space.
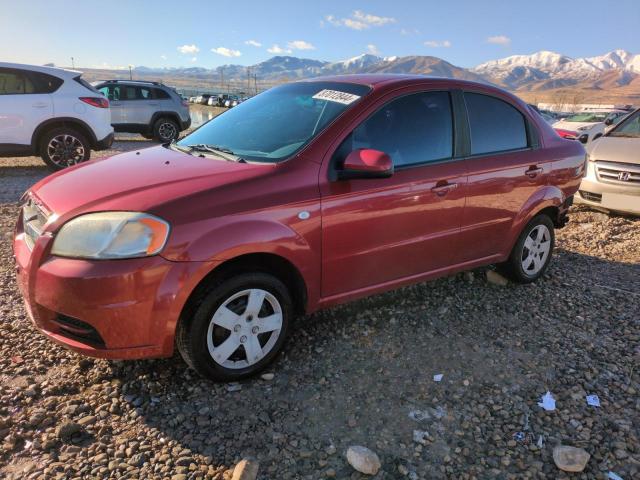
pixel 540 441
pixel 547 402
pixel 438 377
pixel 419 415
pixel 614 476
pixel 593 400
pixel 420 436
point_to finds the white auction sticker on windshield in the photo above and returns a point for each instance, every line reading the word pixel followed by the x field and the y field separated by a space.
pixel 336 96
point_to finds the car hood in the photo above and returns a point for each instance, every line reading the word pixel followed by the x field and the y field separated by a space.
pixel 138 181
pixel 616 149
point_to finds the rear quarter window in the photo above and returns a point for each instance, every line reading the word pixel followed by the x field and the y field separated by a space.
pixel 44 83
pixel 160 94
pixel 495 125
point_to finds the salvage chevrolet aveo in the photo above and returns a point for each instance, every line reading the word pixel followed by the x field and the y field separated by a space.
pixel 308 195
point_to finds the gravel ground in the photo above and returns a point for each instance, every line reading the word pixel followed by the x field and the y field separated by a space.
pixel 357 374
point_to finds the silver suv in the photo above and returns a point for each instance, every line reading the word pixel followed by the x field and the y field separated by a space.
pixel 149 108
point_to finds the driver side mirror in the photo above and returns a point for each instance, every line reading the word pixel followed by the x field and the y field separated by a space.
pixel 366 163
pixel 608 121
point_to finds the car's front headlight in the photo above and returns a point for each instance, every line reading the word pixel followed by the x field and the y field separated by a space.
pixel 109 235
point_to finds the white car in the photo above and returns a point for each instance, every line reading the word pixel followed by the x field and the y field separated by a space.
pixel 213 101
pixel 590 125
pixel 53 113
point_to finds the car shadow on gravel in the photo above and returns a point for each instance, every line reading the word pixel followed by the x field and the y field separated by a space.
pixel 354 373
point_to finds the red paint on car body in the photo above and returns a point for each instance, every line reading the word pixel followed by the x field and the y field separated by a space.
pixel 357 237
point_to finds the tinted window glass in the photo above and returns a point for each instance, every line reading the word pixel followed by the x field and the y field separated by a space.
pixel 143 93
pixel 14 82
pixel 44 83
pixel 160 94
pixel 495 125
pixel 413 129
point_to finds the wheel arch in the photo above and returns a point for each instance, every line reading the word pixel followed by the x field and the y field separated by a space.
pixel 263 262
pixel 57 122
pixel 164 114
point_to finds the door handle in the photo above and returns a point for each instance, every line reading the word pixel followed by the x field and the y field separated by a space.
pixel 533 171
pixel 442 190
pixel 40 105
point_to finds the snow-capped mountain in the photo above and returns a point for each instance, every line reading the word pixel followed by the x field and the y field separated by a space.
pixel 519 71
pixel 351 65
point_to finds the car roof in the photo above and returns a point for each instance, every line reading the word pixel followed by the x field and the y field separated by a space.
pixel 59 72
pixel 376 79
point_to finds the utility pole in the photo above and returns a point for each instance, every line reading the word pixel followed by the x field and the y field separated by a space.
pixel 130 73
pixel 221 79
pixel 248 79
pixel 255 82
pixel 73 66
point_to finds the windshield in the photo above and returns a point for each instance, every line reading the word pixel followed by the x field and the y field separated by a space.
pixel 588 117
pixel 276 124
pixel 630 127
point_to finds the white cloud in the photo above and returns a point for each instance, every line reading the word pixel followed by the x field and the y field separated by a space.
pixel 194 59
pixel 499 40
pixel 163 57
pixel 359 20
pixel 188 49
pixel 253 43
pixel 438 43
pixel 300 45
pixel 372 49
pixel 226 52
pixel 277 50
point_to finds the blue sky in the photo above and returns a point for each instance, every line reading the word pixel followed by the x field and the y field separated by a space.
pixel 211 33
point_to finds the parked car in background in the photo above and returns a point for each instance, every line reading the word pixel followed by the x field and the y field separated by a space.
pixel 213 101
pixel 214 243
pixel 149 108
pixel 590 125
pixel 53 113
pixel 192 99
pixel 204 98
pixel 613 174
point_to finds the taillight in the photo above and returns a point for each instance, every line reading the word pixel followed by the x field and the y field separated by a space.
pixel 98 102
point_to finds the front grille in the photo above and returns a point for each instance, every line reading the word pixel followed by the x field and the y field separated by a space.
pixel 78 330
pixel 34 219
pixel 590 196
pixel 620 173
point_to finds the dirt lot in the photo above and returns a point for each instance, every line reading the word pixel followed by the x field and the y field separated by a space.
pixel 356 374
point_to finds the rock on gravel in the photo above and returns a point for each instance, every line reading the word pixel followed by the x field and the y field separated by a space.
pixel 497 279
pixel 246 469
pixel 570 459
pixel 67 429
pixel 363 460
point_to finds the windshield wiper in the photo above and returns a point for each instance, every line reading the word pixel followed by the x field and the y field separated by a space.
pixel 180 148
pixel 217 150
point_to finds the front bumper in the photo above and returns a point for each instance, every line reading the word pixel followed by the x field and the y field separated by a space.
pixel 105 143
pixel 117 309
pixel 610 194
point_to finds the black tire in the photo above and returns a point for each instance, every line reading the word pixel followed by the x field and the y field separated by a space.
pixel 63 147
pixel 165 130
pixel 194 333
pixel 514 268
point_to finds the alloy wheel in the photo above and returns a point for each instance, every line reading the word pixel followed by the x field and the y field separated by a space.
pixel 65 150
pixel 167 131
pixel 536 249
pixel 244 328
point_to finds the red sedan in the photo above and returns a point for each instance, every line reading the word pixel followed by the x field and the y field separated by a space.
pixel 311 194
pixel 567 133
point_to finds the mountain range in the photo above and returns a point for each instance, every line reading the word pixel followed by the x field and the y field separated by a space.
pixel 618 70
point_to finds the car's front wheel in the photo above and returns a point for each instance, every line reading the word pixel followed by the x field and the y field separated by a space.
pixel 532 252
pixel 165 130
pixel 238 327
pixel 63 147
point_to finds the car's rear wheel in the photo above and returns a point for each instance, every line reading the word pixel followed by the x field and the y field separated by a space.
pixel 238 327
pixel 165 130
pixel 532 252
pixel 63 147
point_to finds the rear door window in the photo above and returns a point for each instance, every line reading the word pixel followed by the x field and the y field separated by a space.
pixel 15 82
pixel 44 83
pixel 495 125
pixel 160 94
